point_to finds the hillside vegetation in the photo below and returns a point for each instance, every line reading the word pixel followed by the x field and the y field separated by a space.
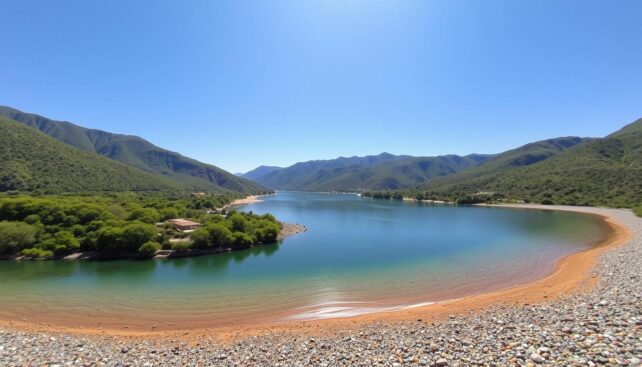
pixel 384 171
pixel 137 152
pixel 596 172
pixel 31 160
pixel 123 225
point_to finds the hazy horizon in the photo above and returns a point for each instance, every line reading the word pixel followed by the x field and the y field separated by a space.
pixel 240 85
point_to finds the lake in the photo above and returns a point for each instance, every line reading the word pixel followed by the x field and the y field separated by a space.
pixel 359 255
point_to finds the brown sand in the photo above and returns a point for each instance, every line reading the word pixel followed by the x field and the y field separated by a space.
pixel 247 200
pixel 572 274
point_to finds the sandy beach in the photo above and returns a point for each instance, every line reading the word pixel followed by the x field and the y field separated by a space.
pixel 247 200
pixel 590 294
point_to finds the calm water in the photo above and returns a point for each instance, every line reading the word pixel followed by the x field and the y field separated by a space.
pixel 359 255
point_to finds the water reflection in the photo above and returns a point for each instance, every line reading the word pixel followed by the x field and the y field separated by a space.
pixel 132 271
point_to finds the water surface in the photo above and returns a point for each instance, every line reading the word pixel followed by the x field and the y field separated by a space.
pixel 359 255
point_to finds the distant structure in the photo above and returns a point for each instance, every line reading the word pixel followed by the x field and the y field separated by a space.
pixel 183 224
pixel 198 194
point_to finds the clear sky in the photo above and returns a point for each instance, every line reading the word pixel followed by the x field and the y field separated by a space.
pixel 242 83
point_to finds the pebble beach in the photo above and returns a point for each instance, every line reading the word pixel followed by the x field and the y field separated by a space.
pixel 598 325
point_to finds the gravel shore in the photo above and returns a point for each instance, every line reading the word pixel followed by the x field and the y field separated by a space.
pixel 601 327
pixel 290 229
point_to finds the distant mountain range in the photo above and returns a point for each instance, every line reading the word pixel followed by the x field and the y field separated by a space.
pixel 376 172
pixel 259 172
pixel 37 153
pixel 568 170
pixel 164 165
pixel 606 171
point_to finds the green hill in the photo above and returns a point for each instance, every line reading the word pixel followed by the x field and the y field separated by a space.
pixel 137 152
pixel 258 172
pixel 605 171
pixel 525 155
pixel 384 171
pixel 31 160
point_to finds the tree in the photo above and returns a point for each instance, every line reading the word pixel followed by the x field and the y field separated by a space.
pixel 148 249
pixel 145 215
pixel 15 236
pixel 136 234
pixel 109 239
pixel 32 219
pixel 220 236
pixel 238 222
pixel 168 213
pixel 200 238
pixel 265 231
pixel 242 241
pixel 65 242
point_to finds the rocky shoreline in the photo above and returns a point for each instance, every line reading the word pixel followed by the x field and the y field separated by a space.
pixel 290 229
pixel 599 326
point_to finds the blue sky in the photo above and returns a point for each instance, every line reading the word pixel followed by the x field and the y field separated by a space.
pixel 243 83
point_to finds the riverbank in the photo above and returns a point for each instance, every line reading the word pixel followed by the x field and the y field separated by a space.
pixel 587 311
pixel 247 200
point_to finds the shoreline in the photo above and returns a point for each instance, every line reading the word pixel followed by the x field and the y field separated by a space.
pixel 571 274
pixel 246 200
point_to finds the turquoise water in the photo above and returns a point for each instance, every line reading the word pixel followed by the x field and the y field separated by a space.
pixel 359 255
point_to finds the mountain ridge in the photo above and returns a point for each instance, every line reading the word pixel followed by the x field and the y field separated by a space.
pixel 31 160
pixel 136 152
pixel 382 171
pixel 596 171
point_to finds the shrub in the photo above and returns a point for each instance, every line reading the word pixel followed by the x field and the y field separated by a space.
pixel 242 240
pixel 136 234
pixel 181 246
pixel 66 239
pixel 145 215
pixel 238 222
pixel 109 239
pixel 220 236
pixel 32 219
pixel 37 253
pixel 266 231
pixel 168 213
pixel 149 249
pixel 638 211
pixel 200 238
pixel 14 236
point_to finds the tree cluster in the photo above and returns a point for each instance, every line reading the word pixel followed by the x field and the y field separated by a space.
pixel 119 224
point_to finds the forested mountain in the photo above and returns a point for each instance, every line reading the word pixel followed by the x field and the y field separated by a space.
pixel 384 171
pixel 31 160
pixel 520 157
pixel 605 171
pixel 137 152
pixel 259 171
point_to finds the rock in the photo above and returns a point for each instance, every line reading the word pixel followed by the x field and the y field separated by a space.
pixel 441 362
pixel 537 358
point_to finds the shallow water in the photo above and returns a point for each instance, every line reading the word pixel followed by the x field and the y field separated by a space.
pixel 359 255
